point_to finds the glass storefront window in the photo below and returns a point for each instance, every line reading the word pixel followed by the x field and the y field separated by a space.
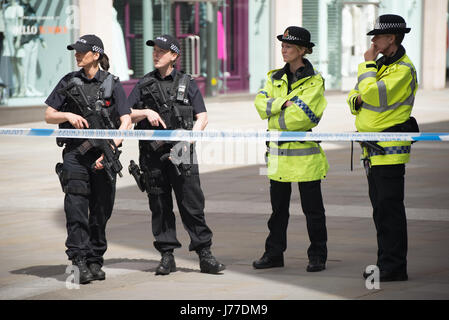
pixel 213 35
pixel 33 39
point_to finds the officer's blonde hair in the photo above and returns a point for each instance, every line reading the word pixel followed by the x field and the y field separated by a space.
pixel 307 50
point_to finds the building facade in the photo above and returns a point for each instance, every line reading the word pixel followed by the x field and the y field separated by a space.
pixel 228 45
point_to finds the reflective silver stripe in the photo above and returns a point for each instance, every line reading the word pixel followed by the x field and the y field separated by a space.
pixel 382 89
pixel 407 102
pixel 294 152
pixel 413 71
pixel 383 95
pixel 353 100
pixel 282 124
pixel 269 103
pixel 366 75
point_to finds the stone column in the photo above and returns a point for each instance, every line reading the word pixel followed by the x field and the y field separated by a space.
pixel 434 44
pixel 285 13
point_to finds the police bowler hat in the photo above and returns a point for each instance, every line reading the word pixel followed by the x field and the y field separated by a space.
pixel 166 42
pixel 389 24
pixel 296 35
pixel 88 42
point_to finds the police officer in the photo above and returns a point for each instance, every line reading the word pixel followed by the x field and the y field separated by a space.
pixel 382 100
pixel 169 99
pixel 89 189
pixel 293 100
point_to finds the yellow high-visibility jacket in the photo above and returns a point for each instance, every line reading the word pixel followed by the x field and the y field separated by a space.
pixel 293 161
pixel 388 94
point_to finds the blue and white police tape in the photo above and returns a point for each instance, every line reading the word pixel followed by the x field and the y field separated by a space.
pixel 184 135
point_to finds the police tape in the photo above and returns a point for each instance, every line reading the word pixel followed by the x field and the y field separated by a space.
pixel 184 135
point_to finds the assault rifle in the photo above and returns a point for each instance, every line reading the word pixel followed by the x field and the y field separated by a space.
pixel 98 118
pixel 171 116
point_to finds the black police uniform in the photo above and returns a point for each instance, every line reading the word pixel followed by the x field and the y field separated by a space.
pixel 165 178
pixel 90 194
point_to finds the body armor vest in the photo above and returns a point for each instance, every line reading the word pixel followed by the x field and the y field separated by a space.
pixel 171 102
pixel 97 92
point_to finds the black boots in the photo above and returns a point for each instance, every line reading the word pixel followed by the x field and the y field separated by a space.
pixel 95 269
pixel 84 272
pixel 387 276
pixel 316 264
pixel 167 264
pixel 88 273
pixel 268 262
pixel 208 263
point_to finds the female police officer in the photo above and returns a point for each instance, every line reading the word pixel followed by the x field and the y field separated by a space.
pixel 167 98
pixel 293 100
pixel 84 99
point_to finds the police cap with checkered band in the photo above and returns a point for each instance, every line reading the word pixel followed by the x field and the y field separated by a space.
pixel 166 42
pixel 296 35
pixel 88 42
pixel 389 24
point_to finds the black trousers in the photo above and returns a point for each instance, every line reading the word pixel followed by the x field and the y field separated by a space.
pixel 386 192
pixel 313 208
pixel 88 206
pixel 190 201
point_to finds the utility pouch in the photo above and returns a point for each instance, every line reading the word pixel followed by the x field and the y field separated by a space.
pixel 153 181
pixel 186 113
pixel 186 170
pixel 75 183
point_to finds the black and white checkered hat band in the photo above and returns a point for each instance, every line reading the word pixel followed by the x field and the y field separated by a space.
pixel 174 48
pixel 383 26
pixel 290 37
pixel 97 49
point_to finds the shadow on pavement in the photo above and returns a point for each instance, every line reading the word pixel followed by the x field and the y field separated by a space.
pixel 240 198
pixel 51 271
pixel 58 272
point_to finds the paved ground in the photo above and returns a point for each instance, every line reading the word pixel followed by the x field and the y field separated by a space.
pixel 32 221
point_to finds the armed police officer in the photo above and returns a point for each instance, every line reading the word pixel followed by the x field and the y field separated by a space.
pixel 90 98
pixel 382 100
pixel 169 99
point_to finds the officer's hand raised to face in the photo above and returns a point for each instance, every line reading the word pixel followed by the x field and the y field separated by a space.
pixel 372 53
pixel 155 119
pixel 77 121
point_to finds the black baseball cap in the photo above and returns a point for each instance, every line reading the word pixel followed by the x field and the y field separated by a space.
pixel 166 42
pixel 88 42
